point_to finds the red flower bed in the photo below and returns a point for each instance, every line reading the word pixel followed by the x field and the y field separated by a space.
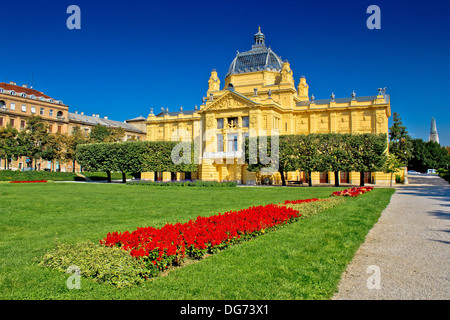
pixel 302 201
pixel 35 181
pixel 169 245
pixel 353 192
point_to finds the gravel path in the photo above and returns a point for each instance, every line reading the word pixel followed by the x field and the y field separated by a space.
pixel 406 255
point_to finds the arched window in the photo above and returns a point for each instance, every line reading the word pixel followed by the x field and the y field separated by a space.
pixel 59 114
pixel 13 93
pixel 24 95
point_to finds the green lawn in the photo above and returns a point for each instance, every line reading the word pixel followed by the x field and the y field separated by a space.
pixel 301 261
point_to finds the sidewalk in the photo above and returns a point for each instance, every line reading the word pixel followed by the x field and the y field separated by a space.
pixel 409 246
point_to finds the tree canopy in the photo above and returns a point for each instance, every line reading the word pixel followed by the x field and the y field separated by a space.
pixel 317 153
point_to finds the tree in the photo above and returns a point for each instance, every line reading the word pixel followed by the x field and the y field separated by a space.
pixel 400 142
pixel 321 152
pixel 335 154
pixel 72 141
pixel 369 152
pixel 33 138
pixel 261 156
pixel 428 155
pixel 55 148
pixel 133 157
pixel 392 164
pixel 100 134
pixel 9 144
pixel 301 152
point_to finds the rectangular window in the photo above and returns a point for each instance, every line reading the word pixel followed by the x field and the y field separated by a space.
pixel 11 122
pixel 33 109
pixel 41 112
pixel 50 128
pixel 12 106
pixel 59 129
pixel 232 142
pixel 51 113
pixel 219 143
pixel 1 122
pixel 219 123
pixel 22 124
pixel 24 108
pixel 245 122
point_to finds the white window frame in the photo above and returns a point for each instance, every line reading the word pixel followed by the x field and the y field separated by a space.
pixel 220 144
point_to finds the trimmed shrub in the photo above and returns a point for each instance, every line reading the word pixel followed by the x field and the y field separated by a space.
pixel 311 208
pixel 11 175
pixel 185 183
pixel 102 264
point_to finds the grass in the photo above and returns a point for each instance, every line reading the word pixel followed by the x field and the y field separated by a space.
pixel 301 261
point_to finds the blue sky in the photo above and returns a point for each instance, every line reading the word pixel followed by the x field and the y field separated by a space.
pixel 130 56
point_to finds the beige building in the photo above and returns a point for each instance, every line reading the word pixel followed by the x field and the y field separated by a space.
pixel 86 123
pixel 17 103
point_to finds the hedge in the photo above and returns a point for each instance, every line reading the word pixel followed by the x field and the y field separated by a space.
pixel 136 156
pixel 184 183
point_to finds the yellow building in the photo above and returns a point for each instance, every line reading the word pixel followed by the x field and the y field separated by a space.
pixel 259 96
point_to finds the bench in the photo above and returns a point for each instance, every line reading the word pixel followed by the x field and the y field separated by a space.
pixel 295 182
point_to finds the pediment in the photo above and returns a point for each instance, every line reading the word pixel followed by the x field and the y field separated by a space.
pixel 230 100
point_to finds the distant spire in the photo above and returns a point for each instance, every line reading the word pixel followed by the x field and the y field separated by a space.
pixel 433 131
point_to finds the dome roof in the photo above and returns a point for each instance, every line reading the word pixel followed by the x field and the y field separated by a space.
pixel 257 59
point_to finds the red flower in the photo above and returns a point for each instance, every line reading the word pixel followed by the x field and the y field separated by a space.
pixel 352 192
pixel 172 242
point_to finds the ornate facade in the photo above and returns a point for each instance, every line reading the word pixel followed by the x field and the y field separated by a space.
pixel 259 96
